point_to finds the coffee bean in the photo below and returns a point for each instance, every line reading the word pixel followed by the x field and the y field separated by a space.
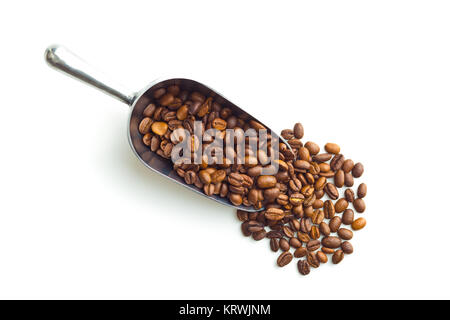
pixel 300 252
pixel 259 235
pixel 303 237
pixel 303 267
pixel 295 243
pixel 303 154
pixel 339 178
pixel 284 245
pixel 288 232
pixel 359 205
pixel 284 259
pixel 298 130
pixel 338 256
pixel 242 215
pixel 358 224
pixel 274 244
pixel 348 217
pixel 274 234
pixel 315 232
pixel 348 165
pixel 305 225
pixel 274 214
pixel 287 134
pixel 313 245
pixel 331 242
pixel 331 191
pixel 265 182
pixel 332 148
pixel 327 250
pixel 322 257
pixel 255 226
pixel 358 170
pixel 159 128
pixel 349 195
pixel 362 190
pixel 145 125
pixel 325 229
pixel 323 157
pixel 329 209
pixel 345 234
pixel 312 147
pixel 302 164
pixel 335 223
pixel 244 228
pixel 347 247
pixel 341 205
pixel 348 180
pixel 312 259
pixel 337 162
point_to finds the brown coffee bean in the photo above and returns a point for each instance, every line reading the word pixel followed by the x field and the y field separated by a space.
pixel 303 237
pixel 327 250
pixel 331 191
pixel 328 209
pixel 313 245
pixel 235 199
pixel 362 190
pixel 259 235
pixel 345 234
pixel 341 205
pixel 274 244
pixel 287 134
pixel 312 147
pixel 294 224
pixel 145 125
pixel 348 180
pixel 358 170
pixel 337 162
pixel 288 232
pixel 274 214
pixel 158 93
pixel 317 204
pixel 339 178
pixel 348 165
pixel 255 226
pixel 320 183
pixel 284 244
pixel 331 242
pixel 324 229
pixel 305 225
pixel 359 205
pixel 284 259
pixel 302 164
pixel 335 223
pixel 347 247
pixel 312 259
pixel 242 215
pixel 295 243
pixel 166 99
pixel 318 217
pixel 274 234
pixel 300 252
pixel 315 232
pixel 349 195
pixel 348 217
pixel 303 267
pixel 323 157
pixel 332 148
pixel 204 176
pixel 303 154
pixel 298 130
pixel 322 257
pixel 338 256
pixel 358 224
pixel 296 199
pixel 265 182
pixel 159 128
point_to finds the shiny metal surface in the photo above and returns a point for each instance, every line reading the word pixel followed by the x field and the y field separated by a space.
pixel 63 60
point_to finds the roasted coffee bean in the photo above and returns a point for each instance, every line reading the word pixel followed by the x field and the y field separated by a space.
pixel 339 178
pixel 303 237
pixel 328 209
pixel 303 267
pixel 305 225
pixel 318 217
pixel 298 130
pixel 300 252
pixel 359 205
pixel 348 165
pixel 335 224
pixel 332 148
pixel 345 234
pixel 274 214
pixel 287 134
pixel 288 232
pixel 255 226
pixel 284 259
pixel 331 191
pixel 338 256
pixel 303 154
pixel 315 232
pixel 242 215
pixel 274 244
pixel 145 125
pixel 320 183
pixel 324 229
pixel 317 204
pixel 323 157
pixel 259 235
pixel 313 245
pixel 244 228
pixel 337 162
pixel 294 224
pixel 358 224
pixel 327 250
pixel 189 177
pixel 284 244
pixel 312 147
pixel 348 217
pixel 347 247
pixel 349 195
pixel 312 259
pixel 302 164
pixel 295 243
pixel 331 242
pixel 348 180
pixel 358 170
pixel 265 182
pixel 341 205
pixel 362 190
pixel 322 257
pixel 274 234
pixel 159 128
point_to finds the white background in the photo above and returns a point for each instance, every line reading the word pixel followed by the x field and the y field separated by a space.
pixel 80 217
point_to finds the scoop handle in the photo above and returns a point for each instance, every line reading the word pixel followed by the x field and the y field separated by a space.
pixel 67 62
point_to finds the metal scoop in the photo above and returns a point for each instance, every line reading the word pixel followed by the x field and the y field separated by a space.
pixel 63 60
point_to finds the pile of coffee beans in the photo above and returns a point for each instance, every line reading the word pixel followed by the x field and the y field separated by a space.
pixel 173 108
pixel 308 219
